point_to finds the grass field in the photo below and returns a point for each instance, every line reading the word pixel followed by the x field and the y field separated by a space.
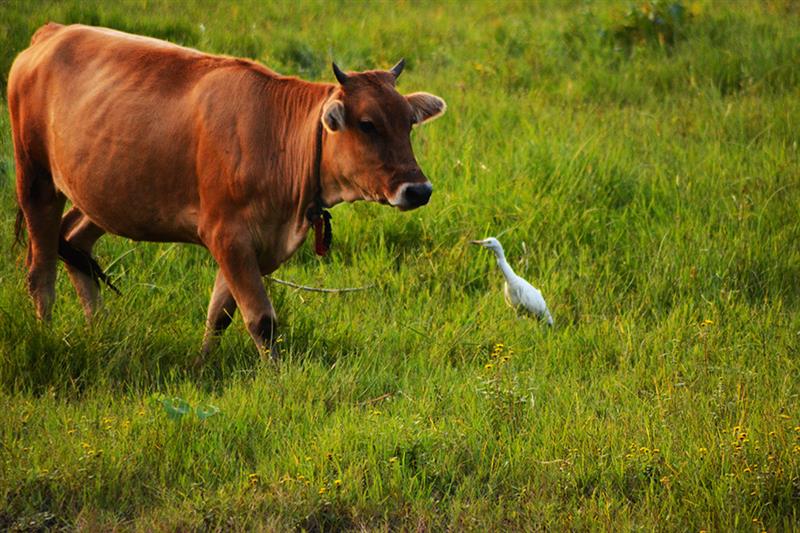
pixel 645 176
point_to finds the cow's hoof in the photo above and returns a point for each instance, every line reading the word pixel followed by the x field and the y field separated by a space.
pixel 199 361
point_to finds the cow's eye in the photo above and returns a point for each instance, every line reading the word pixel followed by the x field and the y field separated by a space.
pixel 366 126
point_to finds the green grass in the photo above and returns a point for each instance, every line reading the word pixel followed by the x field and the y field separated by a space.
pixel 650 190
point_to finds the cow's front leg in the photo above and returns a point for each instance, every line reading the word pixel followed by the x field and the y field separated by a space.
pixel 220 313
pixel 240 277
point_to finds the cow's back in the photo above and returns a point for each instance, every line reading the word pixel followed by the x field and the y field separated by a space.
pixel 115 119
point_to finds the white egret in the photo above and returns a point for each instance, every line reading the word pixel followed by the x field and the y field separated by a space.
pixel 519 294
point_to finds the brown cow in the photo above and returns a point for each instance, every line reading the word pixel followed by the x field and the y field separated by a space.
pixel 157 142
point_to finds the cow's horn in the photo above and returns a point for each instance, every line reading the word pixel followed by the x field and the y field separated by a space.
pixel 341 76
pixel 398 68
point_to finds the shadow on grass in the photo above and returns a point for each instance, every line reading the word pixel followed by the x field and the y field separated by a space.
pixel 122 353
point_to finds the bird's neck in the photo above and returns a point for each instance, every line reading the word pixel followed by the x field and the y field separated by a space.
pixel 503 264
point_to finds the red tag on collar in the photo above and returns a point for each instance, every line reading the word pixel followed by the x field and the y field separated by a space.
pixel 320 246
pixel 323 235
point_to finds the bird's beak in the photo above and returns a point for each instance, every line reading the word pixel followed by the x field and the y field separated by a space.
pixel 476 242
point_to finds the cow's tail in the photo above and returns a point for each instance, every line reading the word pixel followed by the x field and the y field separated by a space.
pixel 45 31
pixel 84 262
pixel 68 253
pixel 19 229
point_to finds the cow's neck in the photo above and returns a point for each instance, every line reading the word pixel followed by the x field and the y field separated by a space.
pixel 307 187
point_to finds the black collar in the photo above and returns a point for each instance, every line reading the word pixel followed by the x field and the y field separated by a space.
pixel 317 215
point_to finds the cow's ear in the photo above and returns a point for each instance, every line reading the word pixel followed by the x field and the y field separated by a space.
pixel 333 116
pixel 425 107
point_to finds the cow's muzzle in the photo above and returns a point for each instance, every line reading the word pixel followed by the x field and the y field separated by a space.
pixel 412 195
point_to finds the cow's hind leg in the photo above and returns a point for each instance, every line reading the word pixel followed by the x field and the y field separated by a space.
pixel 41 204
pixel 220 313
pixel 81 233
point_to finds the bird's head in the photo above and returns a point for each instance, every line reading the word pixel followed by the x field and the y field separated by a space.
pixel 491 243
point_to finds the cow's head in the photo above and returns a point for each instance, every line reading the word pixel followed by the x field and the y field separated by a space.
pixel 367 151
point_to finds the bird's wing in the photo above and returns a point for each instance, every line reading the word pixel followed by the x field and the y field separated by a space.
pixel 531 298
pixel 516 293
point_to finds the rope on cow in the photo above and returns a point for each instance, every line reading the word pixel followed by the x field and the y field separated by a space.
pixel 318 289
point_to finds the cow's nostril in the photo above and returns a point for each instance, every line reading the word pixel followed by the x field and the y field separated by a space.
pixel 417 195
